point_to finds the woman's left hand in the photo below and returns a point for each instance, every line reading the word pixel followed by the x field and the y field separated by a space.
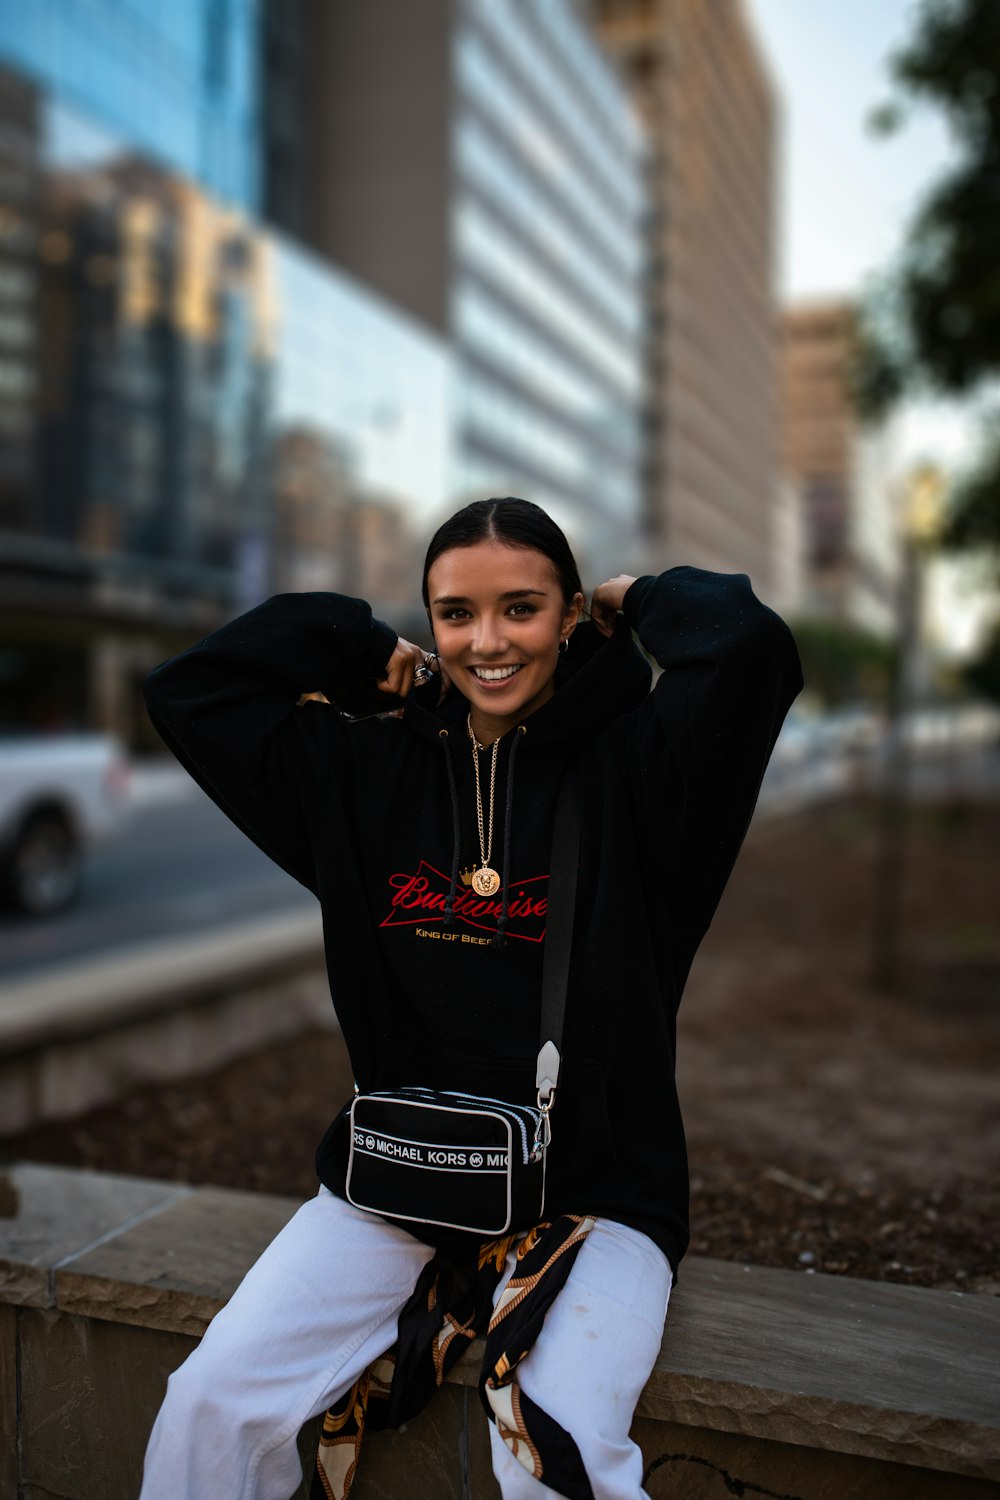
pixel 606 601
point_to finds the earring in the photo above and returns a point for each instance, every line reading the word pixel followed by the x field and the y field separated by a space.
pixel 564 643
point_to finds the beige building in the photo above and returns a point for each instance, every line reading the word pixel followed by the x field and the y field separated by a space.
pixel 842 472
pixel 712 113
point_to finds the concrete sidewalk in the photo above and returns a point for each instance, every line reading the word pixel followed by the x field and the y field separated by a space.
pixel 81 1034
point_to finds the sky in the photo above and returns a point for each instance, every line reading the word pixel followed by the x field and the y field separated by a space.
pixel 844 193
pixel 845 196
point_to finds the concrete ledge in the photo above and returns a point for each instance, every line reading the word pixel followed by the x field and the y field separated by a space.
pixel 814 1386
pixel 81 1034
pixel 85 998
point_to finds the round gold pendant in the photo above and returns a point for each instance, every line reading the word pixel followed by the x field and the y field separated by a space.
pixel 485 881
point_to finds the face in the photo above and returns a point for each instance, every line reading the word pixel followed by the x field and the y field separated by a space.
pixel 499 609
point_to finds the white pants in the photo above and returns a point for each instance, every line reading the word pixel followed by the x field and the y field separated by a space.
pixel 324 1300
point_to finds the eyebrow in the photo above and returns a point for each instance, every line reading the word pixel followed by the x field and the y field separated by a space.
pixel 510 594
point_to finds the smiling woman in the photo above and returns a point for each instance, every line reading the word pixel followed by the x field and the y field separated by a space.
pixel 435 948
pixel 502 637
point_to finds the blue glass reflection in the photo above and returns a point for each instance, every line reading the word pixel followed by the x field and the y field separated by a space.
pixel 190 398
pixel 178 80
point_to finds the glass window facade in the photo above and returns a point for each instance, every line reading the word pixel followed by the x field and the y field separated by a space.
pixel 352 365
pixel 178 79
pixel 547 231
pixel 486 245
pixel 485 325
pixel 563 69
pixel 481 158
pixel 191 399
pixel 496 91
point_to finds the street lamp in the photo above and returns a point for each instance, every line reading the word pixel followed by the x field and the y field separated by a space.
pixel 920 522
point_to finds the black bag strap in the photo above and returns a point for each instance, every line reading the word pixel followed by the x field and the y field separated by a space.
pixel 558 933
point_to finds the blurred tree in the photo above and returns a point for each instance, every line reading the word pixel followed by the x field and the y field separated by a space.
pixel 931 322
pixel 842 663
pixel 983 673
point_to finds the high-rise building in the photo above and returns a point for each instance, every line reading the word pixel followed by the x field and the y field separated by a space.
pixel 843 473
pixel 194 413
pixel 711 110
pixel 480 164
pixel 178 80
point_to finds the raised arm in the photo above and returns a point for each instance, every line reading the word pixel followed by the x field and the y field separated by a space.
pixel 228 709
pixel 702 740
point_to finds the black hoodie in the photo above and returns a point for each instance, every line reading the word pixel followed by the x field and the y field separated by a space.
pixel 432 984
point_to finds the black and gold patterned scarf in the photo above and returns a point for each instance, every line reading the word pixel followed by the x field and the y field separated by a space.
pixel 451 1305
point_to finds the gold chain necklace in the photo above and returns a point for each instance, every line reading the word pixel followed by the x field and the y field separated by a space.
pixel 485 882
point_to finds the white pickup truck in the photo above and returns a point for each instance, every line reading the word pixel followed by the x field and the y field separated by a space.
pixel 59 794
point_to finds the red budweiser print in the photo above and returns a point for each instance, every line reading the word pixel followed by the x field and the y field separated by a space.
pixel 421 898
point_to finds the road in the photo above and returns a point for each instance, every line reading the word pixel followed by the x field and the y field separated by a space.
pixel 179 867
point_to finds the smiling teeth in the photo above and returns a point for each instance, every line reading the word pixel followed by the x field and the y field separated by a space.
pixel 494 674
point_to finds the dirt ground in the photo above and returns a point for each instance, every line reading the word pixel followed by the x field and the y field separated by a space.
pixel 831 1127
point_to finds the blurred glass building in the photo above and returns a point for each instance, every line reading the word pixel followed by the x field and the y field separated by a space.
pixel 282 285
pixel 480 163
pixel 178 79
pixel 547 229
pixel 195 413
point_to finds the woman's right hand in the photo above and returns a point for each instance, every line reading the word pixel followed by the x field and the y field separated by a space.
pixel 401 666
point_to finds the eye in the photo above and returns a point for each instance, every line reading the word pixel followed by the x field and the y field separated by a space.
pixel 528 608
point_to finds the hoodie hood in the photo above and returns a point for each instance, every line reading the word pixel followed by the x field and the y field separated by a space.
pixel 597 678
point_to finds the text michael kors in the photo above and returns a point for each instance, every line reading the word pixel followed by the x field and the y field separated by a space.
pixel 421 1155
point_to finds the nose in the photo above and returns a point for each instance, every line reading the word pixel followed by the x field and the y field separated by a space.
pixel 490 636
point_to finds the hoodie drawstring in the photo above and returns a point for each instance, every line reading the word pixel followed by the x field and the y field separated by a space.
pixel 449 916
pixel 498 941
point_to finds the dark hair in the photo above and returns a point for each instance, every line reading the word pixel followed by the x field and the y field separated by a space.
pixel 516 523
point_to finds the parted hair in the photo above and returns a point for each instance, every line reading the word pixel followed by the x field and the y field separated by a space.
pixel 516 523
